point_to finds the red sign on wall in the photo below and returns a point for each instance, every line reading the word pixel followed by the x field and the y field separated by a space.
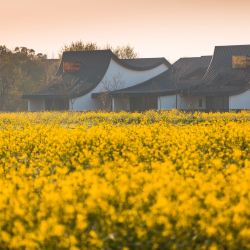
pixel 71 67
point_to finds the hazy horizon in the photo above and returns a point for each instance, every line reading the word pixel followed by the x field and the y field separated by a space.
pixel 171 29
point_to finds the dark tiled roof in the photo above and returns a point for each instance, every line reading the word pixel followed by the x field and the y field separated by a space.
pixel 145 62
pixel 191 67
pixel 204 75
pixel 220 78
pixel 183 73
pixel 93 66
pixel 50 92
pixel 200 76
pixel 222 59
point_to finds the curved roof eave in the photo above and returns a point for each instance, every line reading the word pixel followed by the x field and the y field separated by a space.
pixel 140 68
pixel 124 63
pixel 139 93
pixel 86 91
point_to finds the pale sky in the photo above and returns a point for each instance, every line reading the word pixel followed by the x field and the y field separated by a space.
pixel 171 29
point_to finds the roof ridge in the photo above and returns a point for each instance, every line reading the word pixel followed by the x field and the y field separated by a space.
pixel 235 45
pixel 161 57
pixel 194 57
pixel 87 51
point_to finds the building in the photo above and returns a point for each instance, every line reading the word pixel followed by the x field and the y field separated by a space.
pixel 85 73
pixel 165 90
pixel 226 83
pixel 96 80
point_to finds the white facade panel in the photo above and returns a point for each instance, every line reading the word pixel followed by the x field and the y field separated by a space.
pixel 116 77
pixel 241 101
pixel 167 102
pixel 85 103
pixel 125 77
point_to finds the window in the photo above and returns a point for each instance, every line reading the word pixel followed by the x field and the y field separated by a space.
pixel 200 103
pixel 71 67
pixel 143 103
pixel 240 62
pixel 56 104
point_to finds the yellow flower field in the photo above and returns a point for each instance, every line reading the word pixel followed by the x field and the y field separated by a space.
pixel 122 181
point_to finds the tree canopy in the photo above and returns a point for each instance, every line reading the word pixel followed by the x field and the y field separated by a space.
pixel 122 52
pixel 21 70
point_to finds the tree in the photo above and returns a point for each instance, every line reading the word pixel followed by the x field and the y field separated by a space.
pixel 109 85
pixel 8 75
pixel 21 70
pixel 122 52
pixel 80 46
pixel 3 50
pixel 125 52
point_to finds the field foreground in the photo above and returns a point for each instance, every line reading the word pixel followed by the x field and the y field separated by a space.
pixel 125 181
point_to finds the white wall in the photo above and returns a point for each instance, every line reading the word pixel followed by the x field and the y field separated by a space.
pixel 84 103
pixel 167 102
pixel 190 102
pixel 36 105
pixel 241 101
pixel 122 77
